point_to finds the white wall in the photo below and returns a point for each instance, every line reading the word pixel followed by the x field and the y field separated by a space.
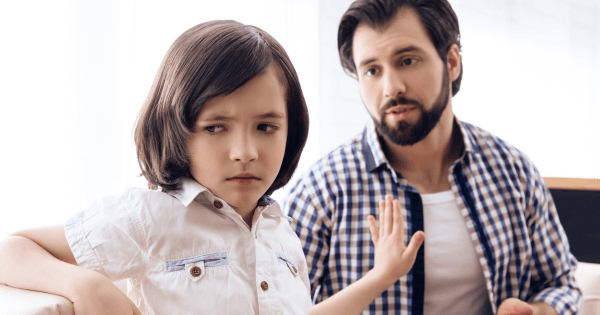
pixel 60 126
pixel 73 75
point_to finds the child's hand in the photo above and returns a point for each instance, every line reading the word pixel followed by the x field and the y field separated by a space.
pixel 392 258
pixel 100 296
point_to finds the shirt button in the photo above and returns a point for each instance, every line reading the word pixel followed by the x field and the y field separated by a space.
pixel 218 204
pixel 294 268
pixel 264 285
pixel 195 271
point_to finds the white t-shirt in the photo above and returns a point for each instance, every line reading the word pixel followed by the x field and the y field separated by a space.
pixel 454 281
pixel 189 252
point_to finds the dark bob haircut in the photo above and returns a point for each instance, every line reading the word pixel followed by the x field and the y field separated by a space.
pixel 437 16
pixel 208 60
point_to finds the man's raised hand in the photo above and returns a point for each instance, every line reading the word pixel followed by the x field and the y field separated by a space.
pixel 393 259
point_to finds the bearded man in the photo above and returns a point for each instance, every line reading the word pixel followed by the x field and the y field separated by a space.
pixel 493 241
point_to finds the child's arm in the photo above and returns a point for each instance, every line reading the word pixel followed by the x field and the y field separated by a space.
pixel 392 260
pixel 40 259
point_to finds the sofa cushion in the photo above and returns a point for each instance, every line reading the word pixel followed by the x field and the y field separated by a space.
pixel 588 277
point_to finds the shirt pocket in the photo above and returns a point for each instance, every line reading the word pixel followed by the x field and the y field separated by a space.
pixel 292 290
pixel 196 267
pixel 196 285
pixel 284 260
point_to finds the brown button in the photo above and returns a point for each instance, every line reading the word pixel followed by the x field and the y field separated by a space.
pixel 218 204
pixel 294 268
pixel 195 271
pixel 264 285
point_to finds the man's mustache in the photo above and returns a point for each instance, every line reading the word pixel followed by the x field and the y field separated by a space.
pixel 400 101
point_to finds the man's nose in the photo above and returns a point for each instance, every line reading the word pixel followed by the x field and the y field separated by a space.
pixel 393 85
pixel 243 149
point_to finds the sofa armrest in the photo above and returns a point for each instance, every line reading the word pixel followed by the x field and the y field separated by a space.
pixel 588 278
pixel 24 302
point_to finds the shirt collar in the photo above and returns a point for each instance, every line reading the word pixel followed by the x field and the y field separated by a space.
pixel 374 156
pixel 272 208
pixel 189 189
pixel 372 151
pixel 469 138
pixel 265 201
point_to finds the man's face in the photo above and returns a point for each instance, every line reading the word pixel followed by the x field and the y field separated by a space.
pixel 403 82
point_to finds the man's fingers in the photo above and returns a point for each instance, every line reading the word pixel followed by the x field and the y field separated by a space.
pixel 373 229
pixel 413 247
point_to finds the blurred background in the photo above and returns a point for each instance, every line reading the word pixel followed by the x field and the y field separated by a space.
pixel 74 74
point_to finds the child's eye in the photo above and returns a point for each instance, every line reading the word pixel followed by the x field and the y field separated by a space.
pixel 267 128
pixel 371 72
pixel 214 129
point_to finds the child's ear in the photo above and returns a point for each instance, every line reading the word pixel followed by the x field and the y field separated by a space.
pixel 453 58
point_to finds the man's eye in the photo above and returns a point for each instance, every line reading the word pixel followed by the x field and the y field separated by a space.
pixel 409 61
pixel 371 72
pixel 267 128
pixel 214 129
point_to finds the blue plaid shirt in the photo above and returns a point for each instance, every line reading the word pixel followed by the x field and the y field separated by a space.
pixel 507 208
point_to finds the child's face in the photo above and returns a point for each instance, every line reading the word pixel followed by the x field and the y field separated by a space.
pixel 239 141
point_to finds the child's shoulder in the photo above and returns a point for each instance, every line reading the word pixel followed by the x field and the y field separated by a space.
pixel 136 200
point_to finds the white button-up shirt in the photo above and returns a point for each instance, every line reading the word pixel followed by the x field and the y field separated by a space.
pixel 189 252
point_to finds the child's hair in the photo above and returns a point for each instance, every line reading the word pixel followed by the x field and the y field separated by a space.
pixel 208 60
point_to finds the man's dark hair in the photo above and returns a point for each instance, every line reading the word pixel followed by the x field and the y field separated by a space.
pixel 437 16
pixel 211 59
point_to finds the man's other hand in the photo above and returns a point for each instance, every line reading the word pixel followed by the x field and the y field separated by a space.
pixel 514 306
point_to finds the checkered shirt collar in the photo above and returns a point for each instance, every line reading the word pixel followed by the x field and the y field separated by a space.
pixel 375 157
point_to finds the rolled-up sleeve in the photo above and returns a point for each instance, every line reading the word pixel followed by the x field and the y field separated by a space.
pixel 553 269
pixel 107 238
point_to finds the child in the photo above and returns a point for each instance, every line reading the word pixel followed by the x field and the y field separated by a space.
pixel 222 128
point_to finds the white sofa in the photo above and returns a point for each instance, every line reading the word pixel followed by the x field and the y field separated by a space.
pixel 23 302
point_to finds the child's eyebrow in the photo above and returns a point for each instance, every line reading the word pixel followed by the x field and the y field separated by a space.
pixel 272 115
pixel 216 118
pixel 263 116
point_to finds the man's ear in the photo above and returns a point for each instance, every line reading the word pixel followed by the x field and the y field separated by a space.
pixel 453 62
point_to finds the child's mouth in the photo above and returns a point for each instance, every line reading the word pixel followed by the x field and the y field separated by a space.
pixel 244 179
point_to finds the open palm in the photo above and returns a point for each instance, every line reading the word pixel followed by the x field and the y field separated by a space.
pixel 393 259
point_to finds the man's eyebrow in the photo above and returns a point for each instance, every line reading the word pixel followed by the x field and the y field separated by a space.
pixel 407 49
pixel 397 52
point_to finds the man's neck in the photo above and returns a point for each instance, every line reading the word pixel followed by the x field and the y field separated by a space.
pixel 425 164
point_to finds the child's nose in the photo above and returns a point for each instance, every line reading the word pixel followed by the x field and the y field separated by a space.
pixel 244 149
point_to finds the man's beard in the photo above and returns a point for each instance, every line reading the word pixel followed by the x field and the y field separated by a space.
pixel 409 134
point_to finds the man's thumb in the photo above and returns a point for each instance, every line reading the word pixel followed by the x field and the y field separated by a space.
pixel 413 246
